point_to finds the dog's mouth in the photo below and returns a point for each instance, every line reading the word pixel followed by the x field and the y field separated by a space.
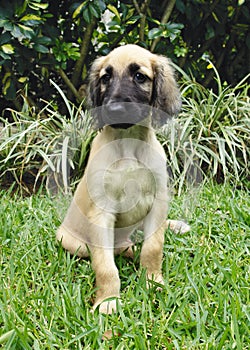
pixel 122 125
pixel 123 115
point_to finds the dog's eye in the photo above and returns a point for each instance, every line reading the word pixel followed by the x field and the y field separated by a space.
pixel 139 78
pixel 105 78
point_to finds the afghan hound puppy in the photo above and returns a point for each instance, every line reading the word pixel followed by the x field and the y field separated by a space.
pixel 124 187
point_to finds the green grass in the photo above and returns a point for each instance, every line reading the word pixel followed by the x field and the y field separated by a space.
pixel 46 295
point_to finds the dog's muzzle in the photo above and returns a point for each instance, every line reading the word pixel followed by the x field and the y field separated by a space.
pixel 123 115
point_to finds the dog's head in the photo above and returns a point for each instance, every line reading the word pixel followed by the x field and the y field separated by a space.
pixel 129 80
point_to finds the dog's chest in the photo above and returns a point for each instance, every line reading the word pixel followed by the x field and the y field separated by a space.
pixel 128 184
pixel 130 190
pixel 125 177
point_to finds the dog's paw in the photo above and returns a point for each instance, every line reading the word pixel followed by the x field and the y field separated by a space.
pixel 178 226
pixel 155 280
pixel 107 307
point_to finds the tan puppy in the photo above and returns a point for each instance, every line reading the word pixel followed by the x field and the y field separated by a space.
pixel 125 182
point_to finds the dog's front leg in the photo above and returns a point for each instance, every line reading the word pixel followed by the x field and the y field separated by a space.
pixel 107 277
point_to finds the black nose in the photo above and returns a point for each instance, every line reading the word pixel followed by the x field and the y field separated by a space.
pixel 121 114
pixel 116 109
pixel 117 115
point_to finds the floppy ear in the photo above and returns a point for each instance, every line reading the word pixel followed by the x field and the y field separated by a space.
pixel 94 92
pixel 166 96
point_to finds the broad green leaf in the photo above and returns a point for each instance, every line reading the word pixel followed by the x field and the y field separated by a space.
pixel 45 40
pixel 155 33
pixel 210 33
pixel 78 9
pixel 5 78
pixel 114 10
pixel 174 26
pixel 37 6
pixel 101 5
pixel 16 32
pixel 6 24
pixel 25 28
pixel 133 19
pixel 93 11
pixel 155 21
pixel 8 49
pixel 215 17
pixel 114 23
pixel 30 17
pixel 124 9
pixel 9 90
pixel 41 48
pixel 23 79
pixel 87 15
pixel 25 32
pixel 4 56
pixel 180 5
pixel 180 51
pixel 5 38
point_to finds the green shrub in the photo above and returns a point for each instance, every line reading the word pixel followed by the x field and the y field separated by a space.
pixel 210 138
pixel 47 148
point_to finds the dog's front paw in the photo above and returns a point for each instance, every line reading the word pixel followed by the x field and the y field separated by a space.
pixel 107 306
pixel 155 279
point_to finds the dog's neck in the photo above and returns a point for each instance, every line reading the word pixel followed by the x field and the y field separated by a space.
pixel 139 132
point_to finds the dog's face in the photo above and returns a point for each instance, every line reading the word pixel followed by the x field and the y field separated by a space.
pixel 129 80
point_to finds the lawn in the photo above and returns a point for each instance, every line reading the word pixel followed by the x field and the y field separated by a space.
pixel 46 295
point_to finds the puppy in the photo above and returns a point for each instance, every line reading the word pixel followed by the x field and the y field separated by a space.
pixel 124 187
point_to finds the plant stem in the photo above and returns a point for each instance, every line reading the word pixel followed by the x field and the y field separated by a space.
pixel 167 13
pixel 137 7
pixel 142 11
pixel 84 51
pixel 69 84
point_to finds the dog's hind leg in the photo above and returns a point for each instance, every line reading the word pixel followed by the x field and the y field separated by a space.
pixel 151 255
pixel 71 243
pixel 72 231
pixel 177 226
pixel 152 248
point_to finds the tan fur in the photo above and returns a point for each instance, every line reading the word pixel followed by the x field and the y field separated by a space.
pixel 91 225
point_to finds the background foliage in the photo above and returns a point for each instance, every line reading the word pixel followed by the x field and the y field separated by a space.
pixel 42 39
pixel 209 139
pixel 46 49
